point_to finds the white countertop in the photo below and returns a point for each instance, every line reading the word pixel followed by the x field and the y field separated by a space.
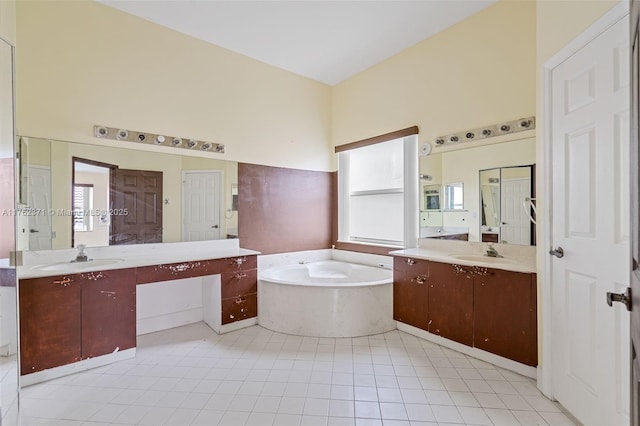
pixel 129 256
pixel 516 258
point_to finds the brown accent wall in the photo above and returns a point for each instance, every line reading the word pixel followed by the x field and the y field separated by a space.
pixel 282 210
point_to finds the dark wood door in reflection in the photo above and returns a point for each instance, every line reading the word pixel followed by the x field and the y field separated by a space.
pixel 137 207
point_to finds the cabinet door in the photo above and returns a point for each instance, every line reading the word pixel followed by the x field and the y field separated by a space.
pixel 108 312
pixel 410 291
pixel 451 302
pixel 505 316
pixel 49 322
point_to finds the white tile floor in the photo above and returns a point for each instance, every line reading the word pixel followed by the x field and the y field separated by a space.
pixel 190 375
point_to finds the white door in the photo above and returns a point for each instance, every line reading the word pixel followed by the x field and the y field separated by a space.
pixel 515 225
pixel 201 192
pixel 39 187
pixel 590 222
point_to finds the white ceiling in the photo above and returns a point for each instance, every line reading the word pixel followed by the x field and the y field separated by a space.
pixel 327 41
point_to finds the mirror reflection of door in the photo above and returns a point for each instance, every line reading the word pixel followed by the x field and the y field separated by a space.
pixel 90 199
pixel 507 215
pixel 201 194
pixel 515 188
pixel 38 197
pixel 136 210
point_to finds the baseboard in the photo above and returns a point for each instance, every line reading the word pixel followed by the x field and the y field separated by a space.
pixel 167 321
pixel 76 367
pixel 221 329
pixel 494 359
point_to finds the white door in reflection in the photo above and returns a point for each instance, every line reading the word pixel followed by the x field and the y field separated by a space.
pixel 39 187
pixel 515 227
pixel 201 194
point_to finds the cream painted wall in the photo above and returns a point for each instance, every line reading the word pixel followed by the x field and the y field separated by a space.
pixel 8 20
pixel 81 63
pixel 478 72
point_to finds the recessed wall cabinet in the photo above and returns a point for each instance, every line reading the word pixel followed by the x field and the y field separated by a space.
pixel 68 318
pixel 489 309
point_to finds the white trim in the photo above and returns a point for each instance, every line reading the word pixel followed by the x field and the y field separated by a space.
pixel 221 199
pixel 76 367
pixel 411 192
pixel 544 182
pixel 480 354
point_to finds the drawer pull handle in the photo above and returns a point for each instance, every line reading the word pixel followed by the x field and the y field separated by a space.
pixel 241 275
pixel 239 261
pixel 239 300
pixel 410 262
pixel 420 279
pixel 65 281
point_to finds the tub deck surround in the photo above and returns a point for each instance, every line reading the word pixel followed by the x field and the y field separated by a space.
pixel 326 298
pixel 74 312
pixel 516 258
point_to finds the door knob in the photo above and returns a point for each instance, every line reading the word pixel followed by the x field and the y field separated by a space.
pixel 33 231
pixel 620 297
pixel 215 227
pixel 557 252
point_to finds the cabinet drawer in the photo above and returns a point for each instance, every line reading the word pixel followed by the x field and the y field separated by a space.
pixel 172 271
pixel 233 264
pixel 239 308
pixel 239 283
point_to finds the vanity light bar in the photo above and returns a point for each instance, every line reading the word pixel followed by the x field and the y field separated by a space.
pixel 104 132
pixel 487 132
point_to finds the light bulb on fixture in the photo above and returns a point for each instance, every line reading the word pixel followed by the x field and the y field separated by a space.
pixel 176 142
pixel 192 143
pixel 122 134
pixel 159 139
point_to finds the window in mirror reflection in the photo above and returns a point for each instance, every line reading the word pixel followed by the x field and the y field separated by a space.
pixel 82 207
pixel 454 196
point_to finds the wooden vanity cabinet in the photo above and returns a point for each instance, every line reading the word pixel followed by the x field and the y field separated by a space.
pixel 505 315
pixel 410 291
pixel 68 318
pixel 50 322
pixel 239 288
pixel 451 302
pixel 490 309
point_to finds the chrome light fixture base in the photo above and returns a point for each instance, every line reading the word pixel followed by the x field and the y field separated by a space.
pixel 486 132
pixel 104 132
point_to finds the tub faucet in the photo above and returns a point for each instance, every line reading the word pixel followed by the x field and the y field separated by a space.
pixel 81 257
pixel 492 252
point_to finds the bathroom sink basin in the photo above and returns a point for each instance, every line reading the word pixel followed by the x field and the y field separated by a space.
pixel 481 258
pixel 77 266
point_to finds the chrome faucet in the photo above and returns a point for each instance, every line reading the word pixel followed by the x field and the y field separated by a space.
pixel 81 257
pixel 492 252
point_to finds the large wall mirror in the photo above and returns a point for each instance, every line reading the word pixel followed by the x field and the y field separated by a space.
pixel 98 195
pixel 487 207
